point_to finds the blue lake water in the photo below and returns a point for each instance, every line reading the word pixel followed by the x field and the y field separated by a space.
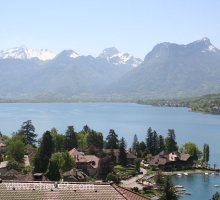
pixel 200 186
pixel 126 119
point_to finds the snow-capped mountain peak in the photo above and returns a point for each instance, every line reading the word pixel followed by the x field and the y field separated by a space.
pixel 112 55
pixel 26 53
pixel 67 54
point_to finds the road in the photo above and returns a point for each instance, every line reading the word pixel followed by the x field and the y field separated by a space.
pixel 131 182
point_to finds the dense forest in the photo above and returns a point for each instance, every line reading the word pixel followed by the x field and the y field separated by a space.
pixel 207 103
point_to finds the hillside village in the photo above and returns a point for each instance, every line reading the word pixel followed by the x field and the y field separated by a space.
pixel 84 157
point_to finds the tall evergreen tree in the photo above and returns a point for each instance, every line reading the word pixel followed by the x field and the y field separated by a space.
pixel 170 141
pixel 135 142
pixel 70 138
pixel 122 152
pixel 206 153
pixel 149 141
pixel 28 131
pixel 44 153
pixel 168 190
pixel 95 139
pixel 161 145
pixel 154 143
pixel 112 140
pixel 136 146
pixel 53 172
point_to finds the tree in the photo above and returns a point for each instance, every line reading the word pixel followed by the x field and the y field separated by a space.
pixel 206 153
pixel 149 141
pixel 53 173
pixel 170 141
pixel 155 139
pixel 137 164
pixel 135 143
pixel 142 147
pixel 136 146
pixel 122 152
pixel 58 140
pixel 216 196
pixel 168 191
pixel 96 139
pixel 112 177
pixel 16 148
pixel 112 140
pixel 161 145
pixel 106 166
pixel 64 160
pixel 44 153
pixel 192 149
pixel 28 130
pixel 70 140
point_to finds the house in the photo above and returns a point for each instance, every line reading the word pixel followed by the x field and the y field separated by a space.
pixel 74 175
pixel 171 160
pixel 87 163
pixel 130 156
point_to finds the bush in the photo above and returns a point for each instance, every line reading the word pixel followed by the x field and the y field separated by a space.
pixel 112 177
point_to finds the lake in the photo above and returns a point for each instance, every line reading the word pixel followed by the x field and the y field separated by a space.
pixel 201 186
pixel 126 119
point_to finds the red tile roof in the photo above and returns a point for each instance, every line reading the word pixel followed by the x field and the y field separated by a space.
pixel 99 191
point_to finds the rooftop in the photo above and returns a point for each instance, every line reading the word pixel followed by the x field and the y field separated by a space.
pixel 67 191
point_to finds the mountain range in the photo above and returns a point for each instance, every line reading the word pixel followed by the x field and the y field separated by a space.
pixel 168 71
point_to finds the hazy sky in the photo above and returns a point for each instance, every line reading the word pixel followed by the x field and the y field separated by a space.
pixel 89 26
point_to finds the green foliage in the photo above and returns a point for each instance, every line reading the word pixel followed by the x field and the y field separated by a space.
pixel 28 130
pixel 53 172
pixel 64 160
pixel 106 166
pixel 58 140
pixel 170 141
pixel 122 152
pixel 168 191
pixel 137 164
pixel 112 140
pixel 155 142
pixel 70 138
pixel 124 172
pixel 216 196
pixel 206 153
pixel 112 177
pixel 12 164
pixel 44 153
pixel 16 148
pixel 95 139
pixel 192 149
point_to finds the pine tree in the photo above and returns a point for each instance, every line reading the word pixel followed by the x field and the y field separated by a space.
pixel 135 142
pixel 206 153
pixel 70 138
pixel 154 143
pixel 168 191
pixel 28 131
pixel 161 145
pixel 112 140
pixel 149 141
pixel 44 153
pixel 122 152
pixel 170 141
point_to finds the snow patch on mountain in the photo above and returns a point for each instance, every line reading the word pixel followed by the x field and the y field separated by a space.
pixel 26 53
pixel 112 55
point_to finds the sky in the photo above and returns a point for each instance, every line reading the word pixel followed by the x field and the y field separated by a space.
pixel 89 26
